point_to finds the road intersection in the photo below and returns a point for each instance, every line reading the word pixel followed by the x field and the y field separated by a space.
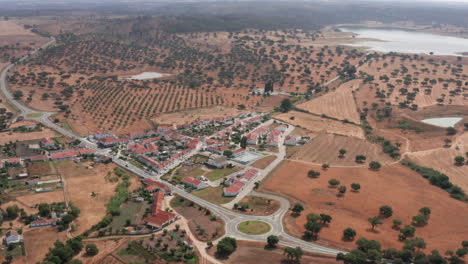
pixel 231 218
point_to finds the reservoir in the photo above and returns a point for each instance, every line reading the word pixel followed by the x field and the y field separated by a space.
pixel 406 41
pixel 147 75
pixel 443 121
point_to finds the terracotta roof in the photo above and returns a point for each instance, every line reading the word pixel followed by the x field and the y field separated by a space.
pixel 66 154
pixel 38 157
pixel 43 221
pixel 192 181
pixel 234 188
pixel 13 160
pixel 46 141
pixel 159 219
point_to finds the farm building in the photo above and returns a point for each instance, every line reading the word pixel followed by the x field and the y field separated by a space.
pixel 290 141
pixel 44 222
pixel 13 237
pixel 47 143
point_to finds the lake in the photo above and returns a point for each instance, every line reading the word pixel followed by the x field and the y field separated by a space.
pixel 443 121
pixel 147 75
pixel 405 41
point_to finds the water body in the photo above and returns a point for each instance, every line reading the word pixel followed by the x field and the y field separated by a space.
pixel 147 75
pixel 443 121
pixel 406 41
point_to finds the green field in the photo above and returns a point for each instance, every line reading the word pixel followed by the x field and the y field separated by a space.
pixel 220 173
pixel 213 195
pixel 254 227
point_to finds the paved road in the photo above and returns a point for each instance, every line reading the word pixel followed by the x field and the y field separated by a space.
pixel 232 219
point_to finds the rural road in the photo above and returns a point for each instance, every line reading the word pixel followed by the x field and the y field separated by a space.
pixel 232 219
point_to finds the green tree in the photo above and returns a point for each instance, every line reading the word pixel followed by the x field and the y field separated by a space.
pixel 374 165
pixel 360 159
pixel 397 223
pixel 342 153
pixel 459 160
pixel 420 220
pixel 342 190
pixel 407 231
pixel 272 241
pixel 297 208
pixel 228 153
pixel 451 131
pixel 226 246
pixel 313 174
pixel 91 249
pixel 333 183
pixel 12 211
pixel 355 186
pixel 312 229
pixel 374 221
pixel 425 211
pixel 286 105
pixel 44 209
pixel 349 234
pixel 386 211
pixel 243 142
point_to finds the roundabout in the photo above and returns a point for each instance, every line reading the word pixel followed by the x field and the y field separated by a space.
pixel 254 227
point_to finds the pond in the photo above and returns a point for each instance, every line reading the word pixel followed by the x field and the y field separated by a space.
pixel 147 75
pixel 407 41
pixel 443 121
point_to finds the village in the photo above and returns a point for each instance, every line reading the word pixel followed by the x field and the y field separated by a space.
pixel 223 158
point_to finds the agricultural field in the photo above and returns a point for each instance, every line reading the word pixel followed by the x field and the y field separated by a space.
pixel 317 124
pixel 324 149
pixel 443 160
pixel 338 103
pixel 394 185
pixel 192 115
pixel 439 80
pixel 263 162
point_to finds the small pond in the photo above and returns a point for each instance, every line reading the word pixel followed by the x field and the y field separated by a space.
pixel 147 75
pixel 443 121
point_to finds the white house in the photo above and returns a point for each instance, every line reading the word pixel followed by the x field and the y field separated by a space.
pixel 12 237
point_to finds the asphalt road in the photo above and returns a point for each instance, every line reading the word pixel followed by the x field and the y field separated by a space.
pixel 232 219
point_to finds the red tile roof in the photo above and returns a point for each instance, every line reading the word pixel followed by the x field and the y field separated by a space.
pixel 38 157
pixel 192 181
pixel 66 154
pixel 234 188
pixel 46 141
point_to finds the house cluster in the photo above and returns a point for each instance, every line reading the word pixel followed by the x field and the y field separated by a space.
pixel 107 139
pixel 65 154
pixel 219 142
pixel 159 218
pixel 235 184
pixel 154 186
pixel 216 122
pixel 52 221
pixel 272 135
pixel 163 149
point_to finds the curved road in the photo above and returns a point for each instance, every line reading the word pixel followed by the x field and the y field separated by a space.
pixel 232 219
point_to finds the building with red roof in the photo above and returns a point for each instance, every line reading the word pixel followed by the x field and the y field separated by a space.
pixel 234 189
pixel 159 218
pixel 38 158
pixel 195 183
pixel 47 143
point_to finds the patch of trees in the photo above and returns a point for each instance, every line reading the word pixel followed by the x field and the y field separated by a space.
pixel 438 179
pixel 226 246
pixel 63 253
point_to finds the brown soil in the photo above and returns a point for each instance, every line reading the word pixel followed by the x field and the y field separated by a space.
pixel 325 149
pixel 339 103
pixel 37 242
pixel 46 197
pixel 106 247
pixel 398 186
pixel 249 252
pixel 318 124
pixel 264 162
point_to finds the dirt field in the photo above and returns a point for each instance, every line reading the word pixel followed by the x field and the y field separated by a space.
pixel 317 124
pixel 404 190
pixel 254 252
pixel 442 159
pixel 39 240
pixel 199 222
pixel 325 149
pixel 263 162
pixel 80 182
pixel 47 197
pixel 189 116
pixel 8 28
pixel 339 103
pixel 6 137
